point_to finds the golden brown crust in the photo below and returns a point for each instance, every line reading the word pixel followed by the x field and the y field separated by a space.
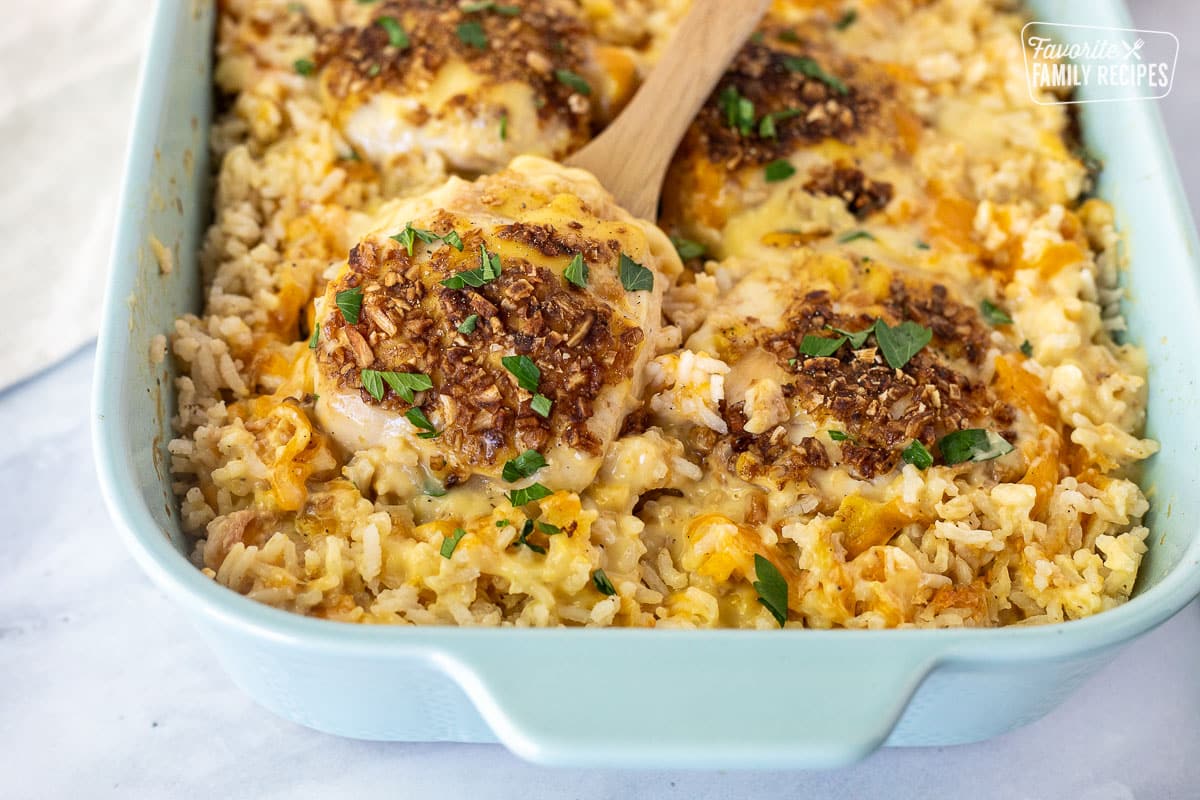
pixel 861 195
pixel 409 323
pixel 528 48
pixel 881 409
pixel 763 73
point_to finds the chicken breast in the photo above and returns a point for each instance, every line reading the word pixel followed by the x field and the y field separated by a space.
pixel 519 310
pixel 473 84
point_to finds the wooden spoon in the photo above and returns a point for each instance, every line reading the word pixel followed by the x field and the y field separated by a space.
pixel 632 155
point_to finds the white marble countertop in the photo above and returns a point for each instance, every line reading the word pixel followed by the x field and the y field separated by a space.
pixel 105 692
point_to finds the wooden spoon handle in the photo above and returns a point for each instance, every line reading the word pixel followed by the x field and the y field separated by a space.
pixel 632 155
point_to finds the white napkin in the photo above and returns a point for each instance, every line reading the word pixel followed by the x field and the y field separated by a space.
pixel 67 74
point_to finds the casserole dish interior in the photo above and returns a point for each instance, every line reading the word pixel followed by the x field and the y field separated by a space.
pixel 630 697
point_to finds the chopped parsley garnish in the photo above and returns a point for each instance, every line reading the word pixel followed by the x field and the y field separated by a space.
pixel 788 35
pixel 577 271
pixel 366 2
pixel 541 405
pixel 972 444
pixel 994 314
pixel 548 529
pixel 854 236
pixel 504 126
pixel 603 584
pixel 305 66
pixel 811 69
pixel 738 110
pixel 502 523
pixel 523 466
pixel 489 269
pixel 404 383
pixel 772 588
pixel 856 338
pixel 573 81
pixel 846 20
pixel 316 337
pixel 766 125
pixel 349 302
pixel 779 170
pixel 352 156
pixel 530 494
pixel 490 5
pixel 374 70
pixel 819 346
pixel 840 436
pixel 922 245
pixel 901 343
pixel 450 543
pixel 688 249
pixel 523 539
pixel 635 277
pixel 917 455
pixel 471 34
pixel 1027 348
pixel 468 324
pixel 408 238
pixel 526 372
pixel 417 417
pixel 434 489
pixel 396 35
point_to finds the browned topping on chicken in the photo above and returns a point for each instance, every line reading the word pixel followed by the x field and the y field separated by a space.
pixel 527 47
pixel 780 79
pixel 882 409
pixel 861 195
pixel 410 323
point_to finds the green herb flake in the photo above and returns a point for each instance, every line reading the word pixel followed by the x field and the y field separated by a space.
pixel 530 494
pixel 449 544
pixel 526 372
pixel 738 110
pixel 901 343
pixel 922 245
pixel 772 589
pixel 349 302
pixel 504 126
pixel 366 2
pixel 788 35
pixel 840 436
pixel 778 170
pixel 972 444
pixel 820 346
pixel 856 338
pixel 454 240
pixel 417 417
pixel 502 523
pixel 917 455
pixel 635 277
pixel 523 539
pixel 994 314
pixel 372 381
pixel 1027 348
pixel 767 125
pixel 846 20
pixel 854 236
pixel 316 336
pixel 811 69
pixel 687 249
pixel 577 271
pixel 467 326
pixel 573 81
pixel 408 237
pixel 374 70
pixel 541 405
pixel 471 34
pixel 434 489
pixel 523 466
pixel 305 66
pixel 603 584
pixel 396 35
pixel 548 529
pixel 489 269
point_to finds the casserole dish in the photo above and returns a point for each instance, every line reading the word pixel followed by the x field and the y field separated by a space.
pixel 626 697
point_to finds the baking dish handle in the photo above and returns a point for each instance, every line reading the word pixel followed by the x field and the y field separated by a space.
pixel 822 702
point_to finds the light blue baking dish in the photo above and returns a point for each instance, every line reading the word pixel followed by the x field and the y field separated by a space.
pixel 631 697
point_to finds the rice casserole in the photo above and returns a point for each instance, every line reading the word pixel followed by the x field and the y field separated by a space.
pixel 865 371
